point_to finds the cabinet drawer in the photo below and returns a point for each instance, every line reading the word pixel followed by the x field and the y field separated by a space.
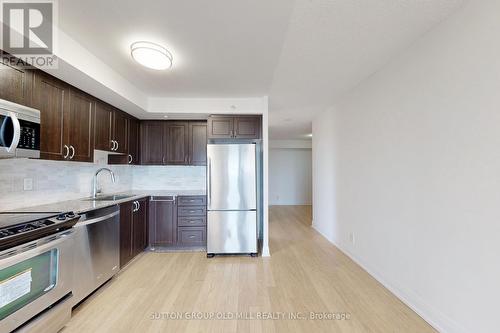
pixel 192 200
pixel 192 221
pixel 191 235
pixel 192 211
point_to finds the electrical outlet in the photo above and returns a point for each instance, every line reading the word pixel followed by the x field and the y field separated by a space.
pixel 352 238
pixel 28 184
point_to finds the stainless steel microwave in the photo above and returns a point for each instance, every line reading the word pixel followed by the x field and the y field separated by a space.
pixel 19 131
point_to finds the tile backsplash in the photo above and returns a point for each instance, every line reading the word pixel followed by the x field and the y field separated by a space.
pixel 25 182
pixel 168 178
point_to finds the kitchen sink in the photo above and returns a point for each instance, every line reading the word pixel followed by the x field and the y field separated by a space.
pixel 110 197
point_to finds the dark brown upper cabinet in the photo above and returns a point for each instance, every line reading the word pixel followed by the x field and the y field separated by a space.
pixel 234 127
pixel 15 83
pixel 197 147
pixel 51 97
pixel 173 142
pixel 176 142
pixel 220 127
pixel 111 129
pixel 78 126
pixel 120 131
pixel 66 120
pixel 152 143
pixel 247 127
pixel 103 126
pixel 133 141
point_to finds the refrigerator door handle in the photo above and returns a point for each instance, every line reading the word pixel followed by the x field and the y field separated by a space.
pixel 209 182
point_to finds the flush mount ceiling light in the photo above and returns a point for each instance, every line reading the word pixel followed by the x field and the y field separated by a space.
pixel 151 55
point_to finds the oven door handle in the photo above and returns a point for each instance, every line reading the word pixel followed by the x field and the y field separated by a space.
pixel 26 251
pixel 97 220
pixel 16 132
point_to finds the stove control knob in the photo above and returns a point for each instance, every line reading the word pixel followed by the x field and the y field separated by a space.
pixel 61 217
pixel 70 215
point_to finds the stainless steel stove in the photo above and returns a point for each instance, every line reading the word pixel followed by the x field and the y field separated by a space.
pixel 36 270
pixel 19 228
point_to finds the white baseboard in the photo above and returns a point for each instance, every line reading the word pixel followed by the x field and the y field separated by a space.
pixel 431 315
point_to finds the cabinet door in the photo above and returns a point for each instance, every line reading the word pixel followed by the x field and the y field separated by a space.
pixel 15 83
pixel 120 131
pixel 247 127
pixel 133 141
pixel 220 127
pixel 176 142
pixel 126 240
pixel 102 129
pixel 152 143
pixel 79 126
pixel 140 227
pixel 197 143
pixel 51 97
pixel 162 222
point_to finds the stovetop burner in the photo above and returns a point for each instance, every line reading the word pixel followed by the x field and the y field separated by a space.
pixel 16 229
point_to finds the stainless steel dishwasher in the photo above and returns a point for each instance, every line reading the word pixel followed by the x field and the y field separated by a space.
pixel 97 250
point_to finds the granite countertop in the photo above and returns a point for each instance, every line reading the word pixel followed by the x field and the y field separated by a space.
pixel 83 205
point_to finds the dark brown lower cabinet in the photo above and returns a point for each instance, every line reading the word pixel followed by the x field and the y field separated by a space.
pixel 192 236
pixel 162 221
pixel 133 229
pixel 178 223
pixel 126 220
pixel 192 221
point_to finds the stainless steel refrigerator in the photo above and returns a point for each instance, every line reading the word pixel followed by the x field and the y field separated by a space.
pixel 231 199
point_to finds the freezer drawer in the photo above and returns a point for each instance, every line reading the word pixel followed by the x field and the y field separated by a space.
pixel 232 232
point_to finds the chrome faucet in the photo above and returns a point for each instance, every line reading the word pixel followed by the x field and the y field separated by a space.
pixel 95 191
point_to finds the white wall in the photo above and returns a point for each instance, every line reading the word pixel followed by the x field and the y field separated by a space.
pixel 290 176
pixel 409 162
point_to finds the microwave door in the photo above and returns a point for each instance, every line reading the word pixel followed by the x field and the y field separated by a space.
pixel 10 131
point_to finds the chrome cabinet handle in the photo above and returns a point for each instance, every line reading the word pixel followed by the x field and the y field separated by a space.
pixel 130 159
pixel 72 152
pixel 67 151
pixel 117 145
pixel 163 160
pixel 192 236
pixel 138 205
pixel 112 145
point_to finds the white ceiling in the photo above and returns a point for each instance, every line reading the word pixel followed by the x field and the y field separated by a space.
pixel 303 54
pixel 221 48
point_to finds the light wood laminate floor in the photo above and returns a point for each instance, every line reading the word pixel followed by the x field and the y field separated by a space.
pixel 305 274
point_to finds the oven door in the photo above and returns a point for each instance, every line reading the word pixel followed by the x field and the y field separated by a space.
pixel 34 277
pixel 10 133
